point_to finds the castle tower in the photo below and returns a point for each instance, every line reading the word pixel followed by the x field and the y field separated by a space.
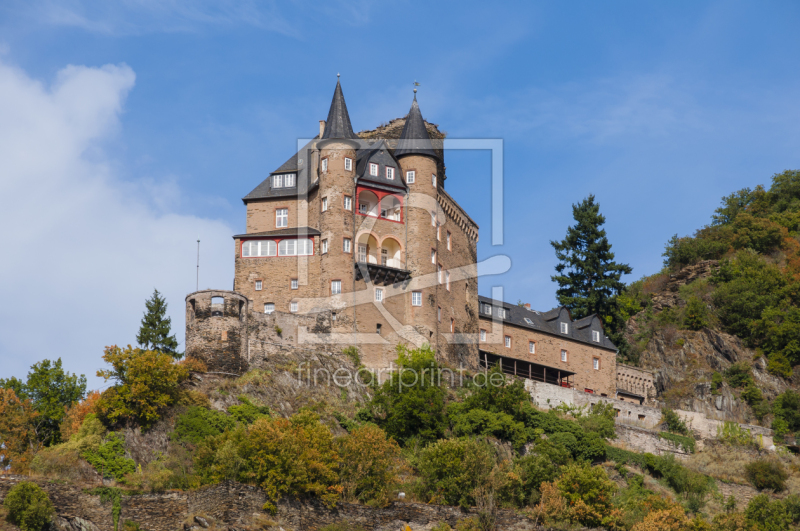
pixel 444 253
pixel 336 204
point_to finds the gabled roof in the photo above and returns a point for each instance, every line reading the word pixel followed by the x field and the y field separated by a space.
pixel 297 164
pixel 415 139
pixel 338 123
pixel 379 154
pixel 548 322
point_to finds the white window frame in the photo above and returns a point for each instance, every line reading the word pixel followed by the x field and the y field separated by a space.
pixel 277 181
pixel 507 341
pixel 363 252
pixel 269 307
pixel 324 204
pixel 501 312
pixel 439 313
pixel 595 336
pixel 346 245
pixel 439 272
pixel 373 169
pixel 447 279
pixel 281 218
pixel 336 287
pixel 390 173
pixel 564 328
pixel 348 164
pixel 384 256
pixel 324 247
pixel 288 180
pixel 378 294
pixel 294 283
pixel 348 202
pixel 416 298
pixel 258 285
pixel 449 239
pixel 487 309
pixel 528 321
pixel 410 176
pixel 433 179
pixel 438 233
pixel 483 334
pixel 325 164
pixel 564 356
pixel 433 256
pixel 531 347
pixel 596 364
pixel 293 306
pixel 433 219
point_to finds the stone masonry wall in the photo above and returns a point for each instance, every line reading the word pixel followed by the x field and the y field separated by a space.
pixel 237 505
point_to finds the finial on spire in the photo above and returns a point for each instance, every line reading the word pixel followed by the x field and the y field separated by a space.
pixel 338 74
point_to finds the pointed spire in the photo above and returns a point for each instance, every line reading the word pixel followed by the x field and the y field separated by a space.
pixel 338 123
pixel 415 139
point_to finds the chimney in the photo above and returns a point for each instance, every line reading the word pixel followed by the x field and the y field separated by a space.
pixel 527 306
pixel 321 127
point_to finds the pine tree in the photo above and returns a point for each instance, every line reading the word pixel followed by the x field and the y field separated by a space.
pixel 155 329
pixel 588 277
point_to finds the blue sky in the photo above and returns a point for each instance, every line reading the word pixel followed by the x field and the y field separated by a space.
pixel 129 130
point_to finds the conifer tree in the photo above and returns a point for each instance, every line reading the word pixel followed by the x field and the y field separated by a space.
pixel 588 277
pixel 154 334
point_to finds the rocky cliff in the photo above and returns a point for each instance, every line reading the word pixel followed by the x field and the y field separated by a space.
pixel 684 360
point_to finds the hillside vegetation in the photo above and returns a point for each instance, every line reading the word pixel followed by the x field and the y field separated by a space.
pixel 725 311
pixel 721 318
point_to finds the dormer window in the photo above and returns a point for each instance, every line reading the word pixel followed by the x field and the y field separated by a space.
pixel 373 169
pixel 277 181
pixel 410 176
pixel 288 180
pixel 564 328
pixel 348 164
pixel 390 173
pixel 324 164
pixel 595 336
pixel 487 309
pixel 501 312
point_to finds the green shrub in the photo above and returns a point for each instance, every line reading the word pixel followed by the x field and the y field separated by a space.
pixel 778 364
pixel 716 382
pixel 766 474
pixel 739 374
pixel 28 507
pixel 109 459
pixel 590 487
pixel 410 405
pixel 600 420
pixel 482 422
pixel 673 422
pixel 518 484
pixel 352 353
pixel 198 423
pixel 686 443
pixel 695 314
pixel 768 515
pixel 247 412
pixel 733 434
pixel 787 407
pixel 451 470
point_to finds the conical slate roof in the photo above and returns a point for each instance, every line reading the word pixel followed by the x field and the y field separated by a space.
pixel 338 123
pixel 415 139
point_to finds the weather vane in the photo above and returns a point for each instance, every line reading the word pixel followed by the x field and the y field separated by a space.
pixel 415 86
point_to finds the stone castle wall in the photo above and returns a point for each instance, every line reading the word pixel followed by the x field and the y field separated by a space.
pixel 236 505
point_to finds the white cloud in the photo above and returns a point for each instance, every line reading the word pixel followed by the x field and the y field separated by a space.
pixel 80 250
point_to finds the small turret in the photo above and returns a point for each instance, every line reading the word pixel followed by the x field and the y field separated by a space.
pixel 415 139
pixel 337 126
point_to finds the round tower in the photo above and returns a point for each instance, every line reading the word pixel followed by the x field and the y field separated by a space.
pixel 336 168
pixel 216 330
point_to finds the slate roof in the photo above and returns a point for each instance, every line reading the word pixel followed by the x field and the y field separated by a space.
pixel 294 231
pixel 414 139
pixel 338 123
pixel 296 164
pixel 379 154
pixel 548 322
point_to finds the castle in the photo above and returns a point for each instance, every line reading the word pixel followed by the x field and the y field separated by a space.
pixel 353 241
